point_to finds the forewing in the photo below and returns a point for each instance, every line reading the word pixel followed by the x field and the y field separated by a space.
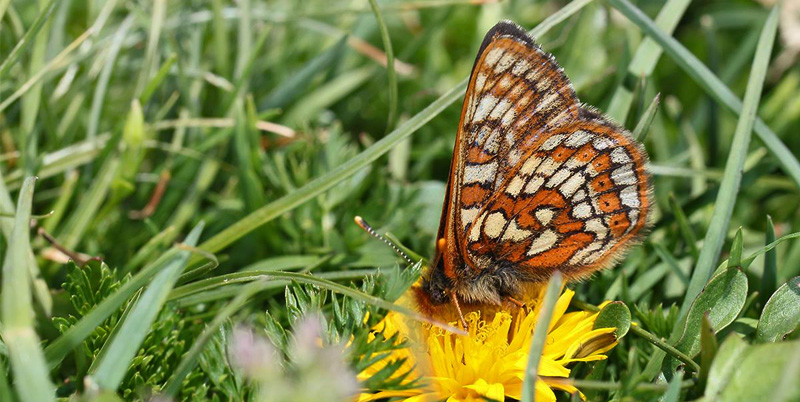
pixel 578 198
pixel 517 96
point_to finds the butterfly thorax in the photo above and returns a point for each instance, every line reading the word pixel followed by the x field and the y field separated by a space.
pixel 489 286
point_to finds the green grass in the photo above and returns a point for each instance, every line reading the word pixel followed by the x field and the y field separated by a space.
pixel 267 126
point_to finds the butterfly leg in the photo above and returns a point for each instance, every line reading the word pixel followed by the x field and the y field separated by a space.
pixel 518 303
pixel 458 308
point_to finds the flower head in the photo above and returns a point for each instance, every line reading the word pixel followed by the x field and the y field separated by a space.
pixel 490 362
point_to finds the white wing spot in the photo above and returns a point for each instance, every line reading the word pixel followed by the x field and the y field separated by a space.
pixel 475 229
pixel 515 186
pixel 547 102
pixel 619 156
pixel 504 83
pixel 500 109
pixel 552 142
pixel 558 177
pixel 544 215
pixel 534 185
pixel 495 223
pixel 596 226
pixel 630 197
pixel 493 56
pixel 548 167
pixel 485 106
pixel 582 210
pixel 480 80
pixel 468 215
pixel 480 173
pixel 543 242
pixel 571 185
pixel 602 143
pixel 623 176
pixel 520 68
pixel 504 63
pixel 515 233
pixel 530 165
pixel 582 253
pixel 577 139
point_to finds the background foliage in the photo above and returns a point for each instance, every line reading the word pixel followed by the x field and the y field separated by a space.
pixel 207 150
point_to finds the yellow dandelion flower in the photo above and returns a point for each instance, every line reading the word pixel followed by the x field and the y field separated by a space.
pixel 490 362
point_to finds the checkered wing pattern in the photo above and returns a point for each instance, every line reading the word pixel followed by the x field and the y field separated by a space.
pixel 538 182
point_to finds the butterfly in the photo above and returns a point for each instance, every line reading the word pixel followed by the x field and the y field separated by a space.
pixel 538 182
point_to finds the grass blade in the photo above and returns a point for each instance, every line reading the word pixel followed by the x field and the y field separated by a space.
pixel 540 336
pixel 645 58
pixel 59 348
pixel 710 83
pixel 121 349
pixel 12 57
pixel 31 375
pixel 769 279
pixel 390 73
pixel 729 187
pixel 325 182
pixel 642 128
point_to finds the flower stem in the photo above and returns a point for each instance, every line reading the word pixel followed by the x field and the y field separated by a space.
pixel 611 385
pixel 638 330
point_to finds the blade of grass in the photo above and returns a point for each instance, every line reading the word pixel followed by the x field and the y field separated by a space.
pixel 156 21
pixel 710 83
pixel 540 337
pixel 643 127
pixel 105 76
pixel 683 226
pixel 25 42
pixel 299 81
pixel 323 183
pixel 646 57
pixel 58 349
pixel 31 375
pixel 731 181
pixel 769 279
pixel 118 352
pixel 390 72
pixel 80 219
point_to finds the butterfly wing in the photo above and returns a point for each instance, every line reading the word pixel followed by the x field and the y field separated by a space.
pixel 538 181
pixel 516 95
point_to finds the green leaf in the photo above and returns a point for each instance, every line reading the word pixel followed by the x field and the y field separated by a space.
pixel 31 375
pixel 540 336
pixel 674 389
pixel 766 372
pixel 724 365
pixel 735 258
pixel 118 352
pixel 723 299
pixel 614 315
pixel 708 349
pixel 781 314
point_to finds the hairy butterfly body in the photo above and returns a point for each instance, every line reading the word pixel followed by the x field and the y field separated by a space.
pixel 538 182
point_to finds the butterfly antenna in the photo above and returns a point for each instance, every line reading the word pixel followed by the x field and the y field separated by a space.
pixel 367 228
